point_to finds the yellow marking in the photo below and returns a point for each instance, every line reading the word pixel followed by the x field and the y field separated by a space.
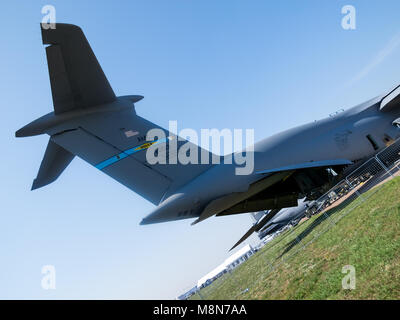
pixel 145 145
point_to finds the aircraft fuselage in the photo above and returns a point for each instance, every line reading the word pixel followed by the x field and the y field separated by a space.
pixel 355 134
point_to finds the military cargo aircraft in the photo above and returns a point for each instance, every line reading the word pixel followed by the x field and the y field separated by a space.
pixel 91 122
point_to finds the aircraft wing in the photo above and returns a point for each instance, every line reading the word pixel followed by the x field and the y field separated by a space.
pixel 238 202
pixel 224 203
pixel 252 202
pixel 257 227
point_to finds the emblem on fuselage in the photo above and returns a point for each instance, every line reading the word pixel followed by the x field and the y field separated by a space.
pixel 341 139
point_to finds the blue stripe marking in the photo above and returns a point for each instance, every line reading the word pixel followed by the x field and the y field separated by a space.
pixel 111 160
pixel 124 154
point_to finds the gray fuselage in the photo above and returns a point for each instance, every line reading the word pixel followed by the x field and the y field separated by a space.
pixel 342 136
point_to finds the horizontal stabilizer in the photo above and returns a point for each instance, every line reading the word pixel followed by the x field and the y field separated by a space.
pixel 55 160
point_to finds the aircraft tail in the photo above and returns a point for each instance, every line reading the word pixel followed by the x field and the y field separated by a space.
pixel 89 121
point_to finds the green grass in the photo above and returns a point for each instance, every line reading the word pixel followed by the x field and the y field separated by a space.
pixel 368 237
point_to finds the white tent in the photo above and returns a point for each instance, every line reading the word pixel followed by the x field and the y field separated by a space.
pixel 224 266
pixel 238 254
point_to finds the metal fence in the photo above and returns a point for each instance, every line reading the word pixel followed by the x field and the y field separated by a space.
pixel 335 204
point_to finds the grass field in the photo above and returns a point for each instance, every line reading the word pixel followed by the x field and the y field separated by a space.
pixel 368 238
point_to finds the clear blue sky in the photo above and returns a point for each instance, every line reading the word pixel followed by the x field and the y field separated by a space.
pixel 267 65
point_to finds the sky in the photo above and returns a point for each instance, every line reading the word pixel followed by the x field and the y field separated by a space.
pixel 263 65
